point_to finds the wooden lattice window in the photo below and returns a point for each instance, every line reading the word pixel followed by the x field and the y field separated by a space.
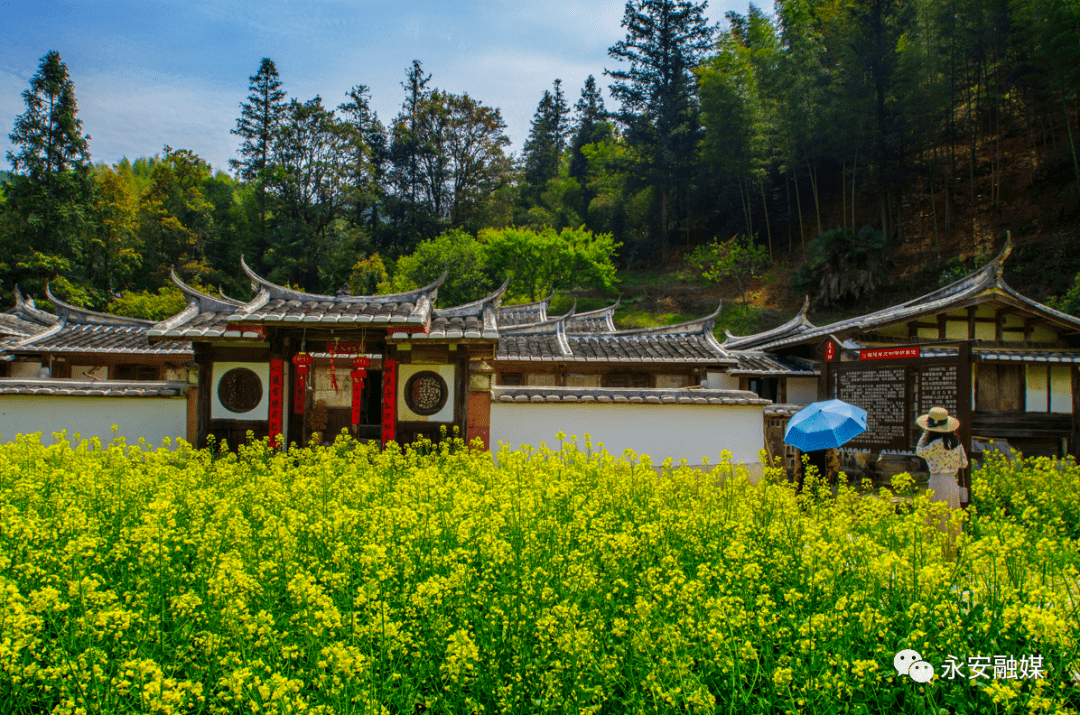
pixel 511 379
pixel 627 379
pixel 135 372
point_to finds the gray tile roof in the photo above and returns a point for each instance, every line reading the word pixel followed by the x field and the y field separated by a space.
pixel 90 388
pixel 793 328
pixel 277 304
pixel 524 313
pixel 992 353
pixel 984 285
pixel 781 409
pixel 209 317
pixel 754 362
pixel 594 321
pixel 612 395
pixel 78 330
pixel 14 325
pixel 690 342
pixel 112 339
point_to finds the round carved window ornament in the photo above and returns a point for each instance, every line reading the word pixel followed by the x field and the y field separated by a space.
pixel 426 392
pixel 240 390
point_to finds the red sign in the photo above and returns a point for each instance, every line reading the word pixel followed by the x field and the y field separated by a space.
pixel 259 330
pixel 389 402
pixel 276 398
pixel 830 351
pixel 303 362
pixel 889 353
pixel 410 329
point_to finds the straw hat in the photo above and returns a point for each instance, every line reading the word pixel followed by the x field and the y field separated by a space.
pixel 938 420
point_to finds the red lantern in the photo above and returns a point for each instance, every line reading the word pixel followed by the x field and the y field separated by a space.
pixel 302 361
pixel 359 372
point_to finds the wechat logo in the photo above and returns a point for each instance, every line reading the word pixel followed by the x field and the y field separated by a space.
pixel 908 662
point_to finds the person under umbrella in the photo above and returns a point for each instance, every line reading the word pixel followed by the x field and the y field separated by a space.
pixel 944 455
pixel 818 430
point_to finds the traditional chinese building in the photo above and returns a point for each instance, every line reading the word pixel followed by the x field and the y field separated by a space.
pixel 83 371
pixel 976 346
pixel 288 365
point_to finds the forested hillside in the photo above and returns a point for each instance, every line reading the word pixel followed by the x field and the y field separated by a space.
pixel 847 144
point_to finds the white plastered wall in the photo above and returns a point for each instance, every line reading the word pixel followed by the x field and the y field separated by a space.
pixel 802 390
pixel 151 418
pixel 1061 399
pixel 447 372
pixel 688 432
pixel 261 411
pixel 717 380
pixel 1060 388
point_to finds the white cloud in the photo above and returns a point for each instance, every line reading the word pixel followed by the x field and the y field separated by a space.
pixel 136 113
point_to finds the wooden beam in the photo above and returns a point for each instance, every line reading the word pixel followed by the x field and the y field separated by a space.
pixel 942 322
pixel 1074 447
pixel 964 399
pixel 204 358
pixel 971 322
pixel 999 323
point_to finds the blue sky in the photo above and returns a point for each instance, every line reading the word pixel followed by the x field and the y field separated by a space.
pixel 174 72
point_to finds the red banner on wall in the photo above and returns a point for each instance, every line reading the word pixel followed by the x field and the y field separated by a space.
pixel 389 400
pixel 277 394
pixel 889 353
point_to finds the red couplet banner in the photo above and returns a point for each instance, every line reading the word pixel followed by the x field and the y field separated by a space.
pixel 277 393
pixel 389 400
pixel 889 353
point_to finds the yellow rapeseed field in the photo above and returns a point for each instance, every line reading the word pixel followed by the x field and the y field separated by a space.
pixel 353 580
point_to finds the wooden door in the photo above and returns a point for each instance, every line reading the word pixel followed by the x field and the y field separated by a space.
pixel 999 388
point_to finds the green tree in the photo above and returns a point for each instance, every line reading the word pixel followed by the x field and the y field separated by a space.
pixel 369 276
pixel 736 259
pixel 258 125
pixel 49 200
pixel 665 39
pixel 309 190
pixel 544 147
pixel 176 219
pixel 539 261
pixel 115 252
pixel 460 255
pixel 367 161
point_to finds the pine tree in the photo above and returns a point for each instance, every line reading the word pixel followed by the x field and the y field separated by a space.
pixel 591 126
pixel 665 40
pixel 50 200
pixel 408 212
pixel 542 148
pixel 368 155
pixel 258 125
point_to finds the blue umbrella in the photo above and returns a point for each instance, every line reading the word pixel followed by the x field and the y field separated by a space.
pixel 823 425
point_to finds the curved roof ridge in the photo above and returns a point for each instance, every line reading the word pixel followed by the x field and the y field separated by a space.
pixel 543 327
pixel 74 314
pixel 282 293
pixel 799 322
pixel 24 305
pixel 228 298
pixel 974 282
pixel 205 302
pixel 600 311
pixel 542 303
pixel 698 325
pixel 477 306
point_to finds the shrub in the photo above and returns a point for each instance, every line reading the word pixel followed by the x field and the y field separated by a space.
pixel 843 264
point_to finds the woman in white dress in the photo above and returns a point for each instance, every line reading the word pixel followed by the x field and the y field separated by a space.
pixel 944 454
